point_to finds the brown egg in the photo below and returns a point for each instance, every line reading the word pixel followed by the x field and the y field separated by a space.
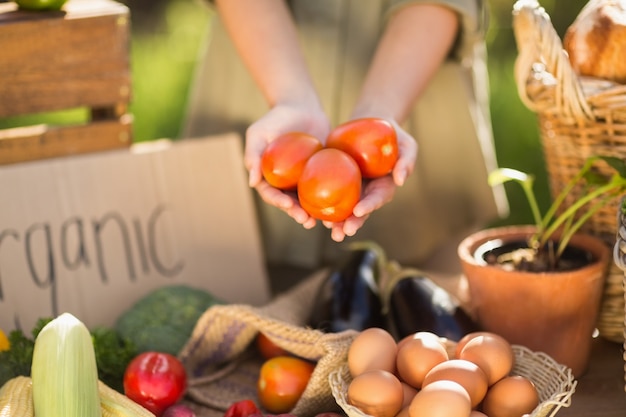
pixel 417 356
pixel 404 412
pixel 417 335
pixel 466 373
pixel 377 393
pixel 372 348
pixel 441 399
pixel 408 392
pixel 512 396
pixel 463 341
pixel 476 413
pixel 492 353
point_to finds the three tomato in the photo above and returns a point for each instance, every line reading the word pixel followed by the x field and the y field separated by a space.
pixel 328 179
pixel 330 185
pixel 284 158
pixel 372 142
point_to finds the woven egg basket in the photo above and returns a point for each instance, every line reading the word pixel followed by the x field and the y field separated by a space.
pixel 578 117
pixel 555 383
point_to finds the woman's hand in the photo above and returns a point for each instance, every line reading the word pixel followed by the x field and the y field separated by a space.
pixel 415 42
pixel 264 33
pixel 379 191
pixel 281 119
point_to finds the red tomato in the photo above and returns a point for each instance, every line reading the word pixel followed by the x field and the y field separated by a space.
pixel 155 380
pixel 267 348
pixel 372 142
pixel 330 185
pixel 283 160
pixel 282 381
pixel 243 408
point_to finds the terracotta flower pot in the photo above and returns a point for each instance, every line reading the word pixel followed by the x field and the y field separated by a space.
pixel 548 312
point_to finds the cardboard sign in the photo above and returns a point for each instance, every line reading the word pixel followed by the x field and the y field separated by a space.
pixel 91 234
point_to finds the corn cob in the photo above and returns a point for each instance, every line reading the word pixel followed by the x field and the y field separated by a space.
pixel 16 398
pixel 64 371
pixel 64 379
pixel 115 404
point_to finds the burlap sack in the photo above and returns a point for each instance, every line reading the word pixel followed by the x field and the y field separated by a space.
pixel 223 366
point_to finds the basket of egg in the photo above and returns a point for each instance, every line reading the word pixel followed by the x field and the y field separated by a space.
pixel 424 375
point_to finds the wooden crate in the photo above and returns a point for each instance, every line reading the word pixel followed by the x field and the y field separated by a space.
pixel 62 60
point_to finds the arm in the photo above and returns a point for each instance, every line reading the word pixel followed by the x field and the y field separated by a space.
pixel 266 39
pixel 415 43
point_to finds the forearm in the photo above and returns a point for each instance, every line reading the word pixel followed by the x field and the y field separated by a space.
pixel 415 43
pixel 264 34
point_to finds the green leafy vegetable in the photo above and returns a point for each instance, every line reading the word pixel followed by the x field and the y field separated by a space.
pixel 164 319
pixel 18 359
pixel 112 354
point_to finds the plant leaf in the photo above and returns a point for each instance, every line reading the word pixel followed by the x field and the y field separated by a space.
pixel 502 175
pixel 595 178
pixel 616 163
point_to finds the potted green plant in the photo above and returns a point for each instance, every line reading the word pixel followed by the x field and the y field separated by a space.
pixel 541 285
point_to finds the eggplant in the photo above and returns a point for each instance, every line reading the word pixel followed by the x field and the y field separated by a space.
pixel 349 297
pixel 417 304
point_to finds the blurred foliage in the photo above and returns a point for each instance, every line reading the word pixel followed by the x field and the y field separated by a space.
pixel 515 127
pixel 164 54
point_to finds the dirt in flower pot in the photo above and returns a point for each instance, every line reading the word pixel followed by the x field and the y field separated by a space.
pixel 518 256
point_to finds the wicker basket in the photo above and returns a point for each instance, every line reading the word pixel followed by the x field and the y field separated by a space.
pixel 555 382
pixel 619 256
pixel 578 117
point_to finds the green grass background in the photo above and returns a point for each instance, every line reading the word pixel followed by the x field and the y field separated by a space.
pixel 167 37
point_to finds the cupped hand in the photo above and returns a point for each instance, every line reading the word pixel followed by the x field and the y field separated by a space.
pixel 379 191
pixel 279 120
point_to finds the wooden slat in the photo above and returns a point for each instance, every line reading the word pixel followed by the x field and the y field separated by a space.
pixel 61 60
pixel 41 141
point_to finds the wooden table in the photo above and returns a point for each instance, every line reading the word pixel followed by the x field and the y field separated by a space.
pixel 600 391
